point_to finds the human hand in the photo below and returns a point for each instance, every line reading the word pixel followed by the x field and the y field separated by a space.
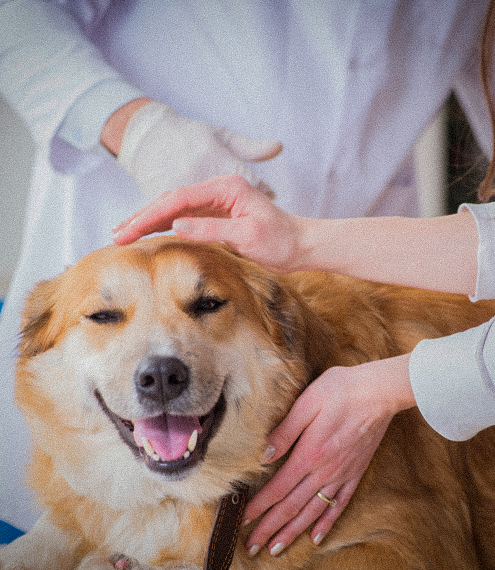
pixel 336 425
pixel 226 209
pixel 163 151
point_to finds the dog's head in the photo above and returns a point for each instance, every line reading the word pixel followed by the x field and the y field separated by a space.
pixel 158 369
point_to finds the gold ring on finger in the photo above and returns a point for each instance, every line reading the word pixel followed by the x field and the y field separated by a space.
pixel 331 502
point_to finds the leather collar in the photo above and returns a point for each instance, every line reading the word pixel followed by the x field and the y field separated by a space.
pixel 226 529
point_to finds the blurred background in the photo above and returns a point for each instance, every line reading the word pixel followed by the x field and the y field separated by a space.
pixel 16 159
pixel 449 166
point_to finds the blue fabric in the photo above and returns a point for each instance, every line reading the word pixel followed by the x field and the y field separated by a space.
pixel 8 533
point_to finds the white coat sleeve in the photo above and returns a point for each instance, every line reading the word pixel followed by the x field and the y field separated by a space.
pixel 50 72
pixel 453 381
pixel 453 377
pixel 484 214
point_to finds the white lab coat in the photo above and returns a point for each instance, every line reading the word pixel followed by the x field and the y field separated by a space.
pixel 346 86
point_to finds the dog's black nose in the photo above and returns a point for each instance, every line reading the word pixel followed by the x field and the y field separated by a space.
pixel 160 379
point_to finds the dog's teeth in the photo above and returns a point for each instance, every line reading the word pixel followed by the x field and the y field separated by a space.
pixel 191 446
pixel 193 440
pixel 148 447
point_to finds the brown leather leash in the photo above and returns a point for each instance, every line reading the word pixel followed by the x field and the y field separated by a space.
pixel 225 532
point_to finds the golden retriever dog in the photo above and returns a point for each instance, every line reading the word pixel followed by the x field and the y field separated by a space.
pixel 151 375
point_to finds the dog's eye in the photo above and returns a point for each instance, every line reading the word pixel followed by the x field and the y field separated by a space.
pixel 103 317
pixel 206 305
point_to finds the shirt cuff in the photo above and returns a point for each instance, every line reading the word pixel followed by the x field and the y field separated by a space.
pixel 86 118
pixel 452 381
pixel 484 215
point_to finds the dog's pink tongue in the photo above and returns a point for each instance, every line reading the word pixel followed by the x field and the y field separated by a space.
pixel 168 435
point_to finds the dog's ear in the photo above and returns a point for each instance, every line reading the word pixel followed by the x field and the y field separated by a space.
pixel 292 325
pixel 277 309
pixel 36 335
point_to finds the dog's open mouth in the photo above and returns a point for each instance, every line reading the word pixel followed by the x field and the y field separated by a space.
pixel 168 444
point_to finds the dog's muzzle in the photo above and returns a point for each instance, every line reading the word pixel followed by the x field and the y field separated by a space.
pixel 167 441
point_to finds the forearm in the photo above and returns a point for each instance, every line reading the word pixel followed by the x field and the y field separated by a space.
pixel 436 253
pixel 433 253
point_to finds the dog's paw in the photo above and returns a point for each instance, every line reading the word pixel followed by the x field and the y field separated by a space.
pixel 100 561
pixel 122 562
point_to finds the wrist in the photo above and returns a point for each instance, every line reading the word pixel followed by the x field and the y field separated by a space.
pixel 113 131
pixel 320 245
pixel 398 392
pixel 384 384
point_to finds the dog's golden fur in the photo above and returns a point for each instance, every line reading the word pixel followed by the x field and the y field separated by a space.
pixel 250 342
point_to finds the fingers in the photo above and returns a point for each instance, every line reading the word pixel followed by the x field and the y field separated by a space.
pixel 150 219
pixel 314 510
pixel 324 524
pixel 270 499
pixel 288 499
pixel 288 518
pixel 218 197
pixel 299 521
pixel 207 230
pixel 280 441
pixel 300 513
pixel 332 452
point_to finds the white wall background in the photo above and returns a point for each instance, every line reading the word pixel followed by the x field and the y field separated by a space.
pixel 16 157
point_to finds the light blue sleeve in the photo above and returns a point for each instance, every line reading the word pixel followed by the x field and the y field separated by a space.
pixel 53 76
pixel 484 214
pixel 452 381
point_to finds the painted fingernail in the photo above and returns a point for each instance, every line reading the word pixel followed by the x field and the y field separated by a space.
pixel 269 452
pixel 253 551
pixel 277 549
pixel 318 538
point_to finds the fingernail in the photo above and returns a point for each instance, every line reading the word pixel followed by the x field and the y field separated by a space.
pixel 253 551
pixel 117 235
pixel 246 522
pixel 318 538
pixel 277 549
pixel 269 452
pixel 182 225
